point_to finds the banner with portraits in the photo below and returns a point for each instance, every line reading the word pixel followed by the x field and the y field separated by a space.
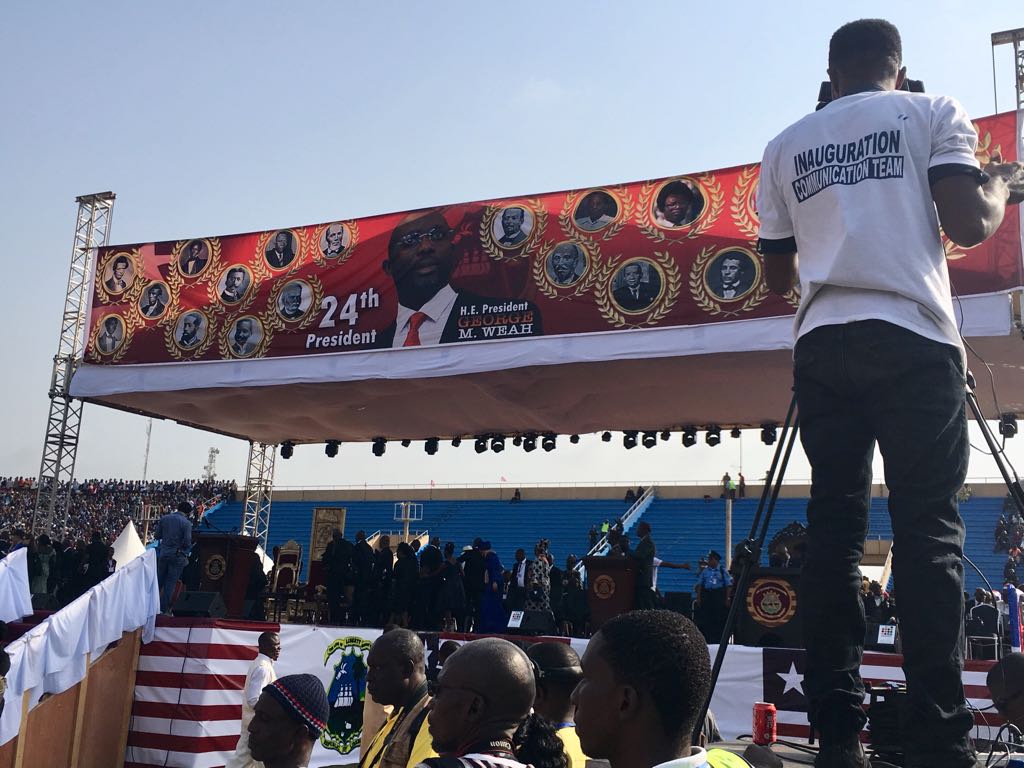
pixel 677 251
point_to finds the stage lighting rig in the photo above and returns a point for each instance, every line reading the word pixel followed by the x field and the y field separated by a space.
pixel 498 443
pixel 529 442
pixel 649 440
pixel 666 435
pixel 606 437
pixel 713 436
pixel 481 444
pixel 517 440
pixel 574 439
pixel 629 439
pixel 689 437
pixel 379 446
pixel 735 432
pixel 769 433
pixel 1008 425
pixel 456 442
pixel 331 449
pixel 287 448
pixel 430 445
pixel 548 442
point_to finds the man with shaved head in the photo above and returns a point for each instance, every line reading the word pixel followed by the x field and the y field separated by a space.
pixel 421 259
pixel 484 692
pixel 396 676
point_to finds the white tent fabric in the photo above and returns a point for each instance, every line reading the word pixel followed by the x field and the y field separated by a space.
pixel 15 595
pixel 52 657
pixel 127 546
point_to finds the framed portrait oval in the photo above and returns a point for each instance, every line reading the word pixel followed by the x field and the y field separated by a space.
pixel 194 258
pixel 677 204
pixel 191 329
pixel 244 336
pixel 596 210
pixel 512 227
pixel 732 274
pixel 234 284
pixel 155 300
pixel 282 249
pixel 294 301
pixel 567 264
pixel 110 335
pixel 118 273
pixel 637 286
pixel 334 241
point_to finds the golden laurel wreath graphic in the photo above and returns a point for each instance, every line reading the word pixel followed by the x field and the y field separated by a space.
pixel 711 304
pixel 95 354
pixel 272 319
pixel 553 290
pixel 743 206
pixel 177 352
pixel 512 253
pixel 106 296
pixel 667 269
pixel 217 306
pixel 224 338
pixel 351 228
pixel 300 241
pixel 793 296
pixel 620 194
pixel 714 199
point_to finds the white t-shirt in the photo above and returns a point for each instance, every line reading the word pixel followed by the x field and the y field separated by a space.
pixel 850 184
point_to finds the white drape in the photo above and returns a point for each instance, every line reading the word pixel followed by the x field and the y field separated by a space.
pixel 15 596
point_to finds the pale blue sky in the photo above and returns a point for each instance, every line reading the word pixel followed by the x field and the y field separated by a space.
pixel 218 117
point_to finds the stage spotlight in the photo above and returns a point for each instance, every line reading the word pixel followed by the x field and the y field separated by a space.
pixel 574 439
pixel 768 434
pixel 548 441
pixel 379 445
pixel 606 437
pixel 287 448
pixel 529 442
pixel 649 440
pixel 430 445
pixel 666 435
pixel 331 449
pixel 689 437
pixel 456 442
pixel 498 443
pixel 713 436
pixel 735 432
pixel 629 439
pixel 481 444
pixel 406 443
pixel 517 440
pixel 1007 425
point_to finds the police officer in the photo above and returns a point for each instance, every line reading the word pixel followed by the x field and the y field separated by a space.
pixel 713 583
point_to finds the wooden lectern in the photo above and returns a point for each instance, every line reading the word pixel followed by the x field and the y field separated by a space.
pixel 225 564
pixel 611 584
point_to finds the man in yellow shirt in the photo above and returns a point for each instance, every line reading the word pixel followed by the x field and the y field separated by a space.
pixel 558 670
pixel 396 677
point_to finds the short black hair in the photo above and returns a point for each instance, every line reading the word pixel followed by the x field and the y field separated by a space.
pixel 663 655
pixel 676 187
pixel 867 49
pixel 121 260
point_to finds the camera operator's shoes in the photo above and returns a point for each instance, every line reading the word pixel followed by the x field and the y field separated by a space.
pixel 848 753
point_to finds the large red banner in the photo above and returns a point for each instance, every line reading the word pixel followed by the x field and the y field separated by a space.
pixel 678 251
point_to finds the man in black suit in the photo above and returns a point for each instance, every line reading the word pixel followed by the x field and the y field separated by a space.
pixel 512 226
pixel 190 331
pixel 234 286
pixel 633 295
pixel 153 305
pixel 110 339
pixel 194 261
pixel 516 598
pixel 117 283
pixel 280 255
pixel 733 278
pixel 421 260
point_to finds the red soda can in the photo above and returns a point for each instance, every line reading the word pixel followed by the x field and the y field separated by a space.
pixel 764 724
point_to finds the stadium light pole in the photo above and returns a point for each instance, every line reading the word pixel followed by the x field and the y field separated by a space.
pixel 60 444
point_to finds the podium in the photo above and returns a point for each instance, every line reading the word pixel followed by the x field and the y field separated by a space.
pixel 771 618
pixel 225 564
pixel 611 584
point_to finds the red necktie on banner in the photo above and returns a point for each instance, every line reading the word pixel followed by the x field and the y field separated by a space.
pixel 413 339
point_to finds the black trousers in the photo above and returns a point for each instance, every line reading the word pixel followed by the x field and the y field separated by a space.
pixel 856 384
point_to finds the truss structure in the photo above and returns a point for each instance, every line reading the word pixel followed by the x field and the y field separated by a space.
pixel 1014 37
pixel 60 445
pixel 259 487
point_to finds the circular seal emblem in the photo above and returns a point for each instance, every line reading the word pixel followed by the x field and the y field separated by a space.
pixel 771 602
pixel 215 568
pixel 604 586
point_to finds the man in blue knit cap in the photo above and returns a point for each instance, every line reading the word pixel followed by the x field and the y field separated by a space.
pixel 290 715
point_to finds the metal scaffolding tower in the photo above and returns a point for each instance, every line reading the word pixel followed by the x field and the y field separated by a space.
pixel 60 447
pixel 259 487
pixel 1014 37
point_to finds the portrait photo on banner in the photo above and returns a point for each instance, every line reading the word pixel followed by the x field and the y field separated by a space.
pixel 234 284
pixel 566 264
pixel 512 226
pixel 194 257
pixel 295 300
pixel 190 329
pixel 732 274
pixel 118 273
pixel 595 211
pixel 154 300
pixel 280 251
pixel 678 203
pixel 637 285
pixel 244 336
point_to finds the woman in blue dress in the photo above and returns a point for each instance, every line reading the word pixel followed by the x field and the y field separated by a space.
pixel 492 614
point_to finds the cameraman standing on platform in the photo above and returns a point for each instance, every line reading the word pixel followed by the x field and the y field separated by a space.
pixel 854 189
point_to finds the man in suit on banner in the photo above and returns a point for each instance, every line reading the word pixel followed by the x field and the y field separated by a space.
pixel 421 259
pixel 633 295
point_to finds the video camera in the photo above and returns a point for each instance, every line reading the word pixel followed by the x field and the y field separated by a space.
pixel 825 90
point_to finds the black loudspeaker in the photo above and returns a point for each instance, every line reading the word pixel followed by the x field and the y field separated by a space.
pixel 770 614
pixel 208 605
pixel 535 623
